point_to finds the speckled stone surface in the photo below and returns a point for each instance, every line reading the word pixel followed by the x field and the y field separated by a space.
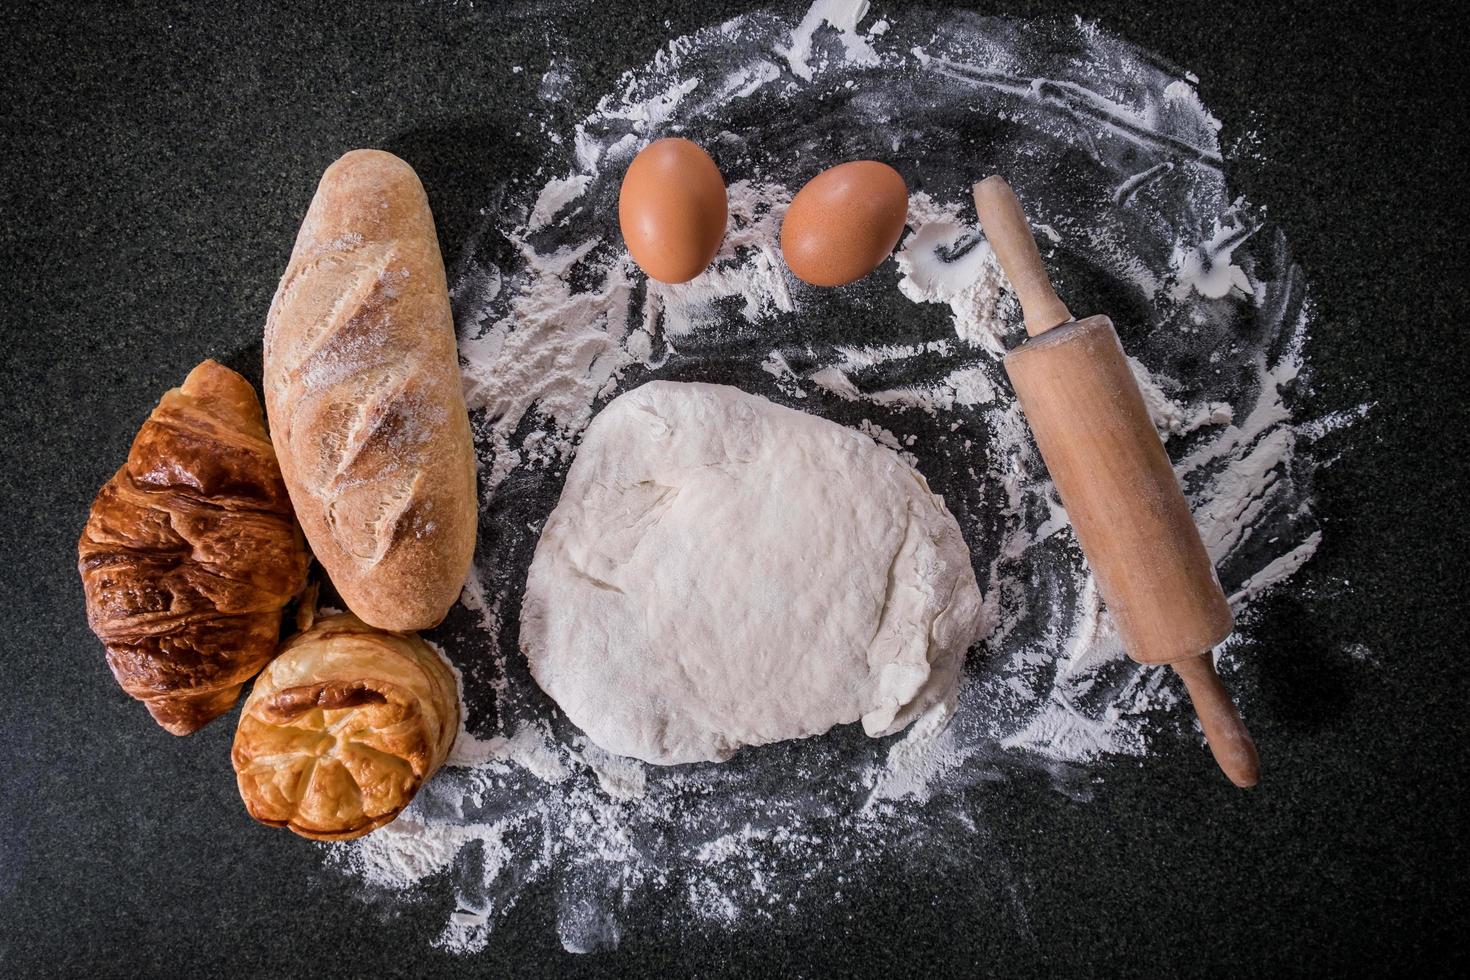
pixel 157 161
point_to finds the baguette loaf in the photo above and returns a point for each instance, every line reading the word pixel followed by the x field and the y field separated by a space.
pixel 363 391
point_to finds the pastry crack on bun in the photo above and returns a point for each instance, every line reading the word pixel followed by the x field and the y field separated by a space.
pixel 366 405
pixel 190 552
pixel 342 729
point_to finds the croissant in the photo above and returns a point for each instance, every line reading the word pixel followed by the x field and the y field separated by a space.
pixel 191 551
pixel 342 729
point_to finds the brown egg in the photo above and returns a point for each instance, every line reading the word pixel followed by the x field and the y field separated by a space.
pixel 844 222
pixel 672 209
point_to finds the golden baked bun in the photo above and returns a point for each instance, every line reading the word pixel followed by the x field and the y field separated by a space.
pixel 342 729
pixel 190 551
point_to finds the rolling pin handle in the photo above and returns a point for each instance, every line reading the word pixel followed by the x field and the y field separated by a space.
pixel 1230 741
pixel 1006 229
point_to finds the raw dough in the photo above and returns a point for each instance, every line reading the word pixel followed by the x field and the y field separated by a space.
pixel 721 571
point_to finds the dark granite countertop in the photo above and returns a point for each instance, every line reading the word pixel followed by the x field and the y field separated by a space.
pixel 157 161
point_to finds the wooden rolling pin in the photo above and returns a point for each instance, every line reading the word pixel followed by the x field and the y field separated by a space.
pixel 1115 481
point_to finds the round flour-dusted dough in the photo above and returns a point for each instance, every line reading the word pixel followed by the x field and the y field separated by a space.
pixel 722 571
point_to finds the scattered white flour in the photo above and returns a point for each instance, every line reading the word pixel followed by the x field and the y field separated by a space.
pixel 1206 268
pixel 946 260
pixel 1138 222
pixel 843 16
pixel 916 761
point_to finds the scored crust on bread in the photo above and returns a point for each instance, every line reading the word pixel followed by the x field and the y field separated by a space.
pixel 342 729
pixel 190 552
pixel 365 400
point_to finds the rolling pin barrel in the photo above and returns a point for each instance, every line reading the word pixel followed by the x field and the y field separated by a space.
pixel 1115 480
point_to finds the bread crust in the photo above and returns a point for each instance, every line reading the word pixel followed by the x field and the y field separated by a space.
pixel 365 400
pixel 190 552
